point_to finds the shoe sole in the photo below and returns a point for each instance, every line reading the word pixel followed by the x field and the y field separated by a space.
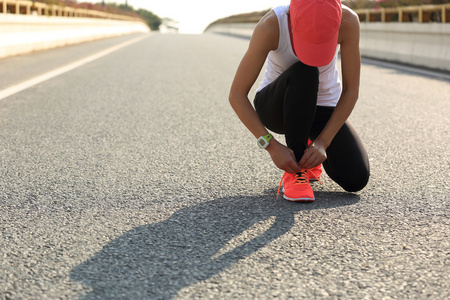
pixel 298 199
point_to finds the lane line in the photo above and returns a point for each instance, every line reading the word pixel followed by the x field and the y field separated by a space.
pixel 46 76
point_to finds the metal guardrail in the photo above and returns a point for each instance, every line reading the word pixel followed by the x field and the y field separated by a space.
pixel 25 7
pixel 421 14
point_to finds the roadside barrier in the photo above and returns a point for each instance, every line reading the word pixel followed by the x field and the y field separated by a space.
pixel 26 26
pixel 420 14
pixel 25 7
pixel 418 35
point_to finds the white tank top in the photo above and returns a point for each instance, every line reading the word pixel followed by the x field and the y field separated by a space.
pixel 283 57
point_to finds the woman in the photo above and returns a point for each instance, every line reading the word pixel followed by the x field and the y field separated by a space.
pixel 301 95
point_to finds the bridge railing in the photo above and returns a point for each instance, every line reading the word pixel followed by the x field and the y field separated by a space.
pixel 421 14
pixel 417 35
pixel 403 14
pixel 25 7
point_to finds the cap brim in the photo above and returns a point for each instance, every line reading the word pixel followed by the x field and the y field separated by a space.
pixel 316 55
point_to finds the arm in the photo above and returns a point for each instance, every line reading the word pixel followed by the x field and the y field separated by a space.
pixel 350 65
pixel 264 39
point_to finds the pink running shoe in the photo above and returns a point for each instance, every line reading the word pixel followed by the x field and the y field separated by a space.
pixel 296 187
pixel 314 173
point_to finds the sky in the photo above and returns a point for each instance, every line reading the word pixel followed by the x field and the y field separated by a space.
pixel 195 15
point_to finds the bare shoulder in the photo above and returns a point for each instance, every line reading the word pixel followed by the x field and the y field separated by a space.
pixel 349 25
pixel 349 16
pixel 266 32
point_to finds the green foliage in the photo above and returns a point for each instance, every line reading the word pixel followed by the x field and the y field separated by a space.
pixel 153 21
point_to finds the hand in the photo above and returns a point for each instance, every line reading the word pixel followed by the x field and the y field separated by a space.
pixel 283 157
pixel 314 155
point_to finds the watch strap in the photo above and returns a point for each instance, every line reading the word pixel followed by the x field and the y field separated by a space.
pixel 268 137
pixel 263 141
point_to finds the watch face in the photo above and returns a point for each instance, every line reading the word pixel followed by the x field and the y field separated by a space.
pixel 262 143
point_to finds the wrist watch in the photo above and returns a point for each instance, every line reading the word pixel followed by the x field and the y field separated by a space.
pixel 263 141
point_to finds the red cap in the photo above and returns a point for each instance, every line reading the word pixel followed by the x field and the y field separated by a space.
pixel 315 30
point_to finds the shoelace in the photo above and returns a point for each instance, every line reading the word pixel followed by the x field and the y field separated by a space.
pixel 298 179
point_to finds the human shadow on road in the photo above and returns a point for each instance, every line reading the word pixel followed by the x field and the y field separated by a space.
pixel 156 261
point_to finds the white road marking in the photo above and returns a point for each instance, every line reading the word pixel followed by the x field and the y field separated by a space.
pixel 46 76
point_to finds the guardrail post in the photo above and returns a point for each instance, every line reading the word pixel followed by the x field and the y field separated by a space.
pixel 29 7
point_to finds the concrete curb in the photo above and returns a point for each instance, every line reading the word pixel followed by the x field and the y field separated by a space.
pixel 20 34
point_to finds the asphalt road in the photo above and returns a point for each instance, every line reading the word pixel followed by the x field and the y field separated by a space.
pixel 130 177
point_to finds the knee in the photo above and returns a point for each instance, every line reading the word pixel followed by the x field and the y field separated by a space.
pixel 357 183
pixel 304 74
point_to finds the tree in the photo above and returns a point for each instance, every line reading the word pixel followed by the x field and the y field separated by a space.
pixel 153 21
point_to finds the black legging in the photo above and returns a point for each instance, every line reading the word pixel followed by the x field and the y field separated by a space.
pixel 288 106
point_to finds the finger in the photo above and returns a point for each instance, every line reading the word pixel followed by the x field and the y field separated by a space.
pixel 309 163
pixel 294 164
pixel 316 161
pixel 290 170
pixel 286 167
pixel 319 161
pixel 305 158
pixel 296 168
pixel 306 165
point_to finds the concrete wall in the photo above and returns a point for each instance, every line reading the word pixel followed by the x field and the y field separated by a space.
pixel 419 44
pixel 235 29
pixel 20 34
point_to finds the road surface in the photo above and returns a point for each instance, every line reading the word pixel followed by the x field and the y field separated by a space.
pixel 128 176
